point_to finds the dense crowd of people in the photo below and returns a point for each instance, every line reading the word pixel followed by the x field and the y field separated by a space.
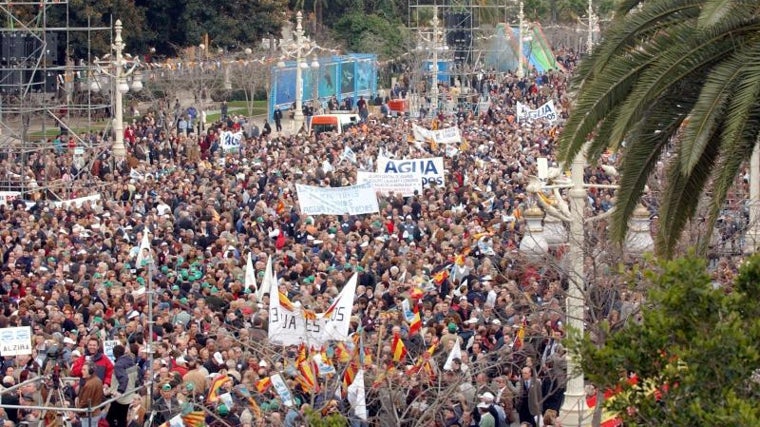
pixel 70 272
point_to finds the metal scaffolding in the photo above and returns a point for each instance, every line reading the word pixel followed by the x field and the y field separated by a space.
pixel 469 28
pixel 43 90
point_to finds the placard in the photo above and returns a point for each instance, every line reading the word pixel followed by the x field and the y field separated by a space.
pixel 404 184
pixel 16 341
pixel 450 135
pixel 108 346
pixel 352 200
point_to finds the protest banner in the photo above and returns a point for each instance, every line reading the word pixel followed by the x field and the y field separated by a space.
pixel 404 184
pixel 289 324
pixel 547 111
pixel 16 341
pixel 7 197
pixel 450 135
pixel 430 170
pixel 78 202
pixel 231 141
pixel 352 200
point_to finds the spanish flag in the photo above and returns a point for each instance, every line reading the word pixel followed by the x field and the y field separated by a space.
pixel 397 348
pixel 459 259
pixel 464 145
pixel 416 324
pixel 216 384
pixel 263 384
pixel 519 337
pixel 441 276
pixel 286 303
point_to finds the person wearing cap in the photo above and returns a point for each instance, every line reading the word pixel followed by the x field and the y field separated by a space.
pixel 167 405
pixel 226 417
pixel 486 418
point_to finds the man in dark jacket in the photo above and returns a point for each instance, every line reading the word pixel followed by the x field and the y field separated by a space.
pixel 126 372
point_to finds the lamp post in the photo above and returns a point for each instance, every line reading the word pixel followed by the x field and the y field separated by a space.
pixel 752 238
pixel 301 48
pixel 638 241
pixel 520 23
pixel 436 34
pixel 123 68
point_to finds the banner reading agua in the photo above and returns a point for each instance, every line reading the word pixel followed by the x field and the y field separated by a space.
pixel 547 111
pixel 353 200
pixel 430 170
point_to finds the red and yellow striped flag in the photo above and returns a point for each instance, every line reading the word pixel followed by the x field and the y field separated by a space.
pixel 194 419
pixel 254 407
pixel 307 377
pixel 216 384
pixel 397 348
pixel 263 384
pixel 302 354
pixel 342 353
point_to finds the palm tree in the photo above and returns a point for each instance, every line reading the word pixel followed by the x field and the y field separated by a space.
pixel 676 81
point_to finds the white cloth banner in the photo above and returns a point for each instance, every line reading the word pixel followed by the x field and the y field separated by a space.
pixel 430 170
pixel 250 274
pixel 353 200
pixel 441 136
pixel 266 282
pixel 455 353
pixel 231 140
pixel 348 154
pixel 289 326
pixel 546 111
pixel 404 184
pixel 7 197
pixel 16 341
pixel 356 395
pixel 78 202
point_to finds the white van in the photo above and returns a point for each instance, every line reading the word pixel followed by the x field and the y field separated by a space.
pixel 337 123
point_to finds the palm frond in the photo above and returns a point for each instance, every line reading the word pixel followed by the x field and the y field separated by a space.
pixel 680 198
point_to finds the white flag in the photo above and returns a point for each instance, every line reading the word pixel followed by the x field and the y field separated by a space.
pixel 338 315
pixel 455 353
pixel 144 256
pixel 327 167
pixel 268 283
pixel 250 274
pixel 357 396
pixel 348 154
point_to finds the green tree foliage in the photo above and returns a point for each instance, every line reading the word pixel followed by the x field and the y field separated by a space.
pixel 695 352
pixel 371 33
pixel 680 77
